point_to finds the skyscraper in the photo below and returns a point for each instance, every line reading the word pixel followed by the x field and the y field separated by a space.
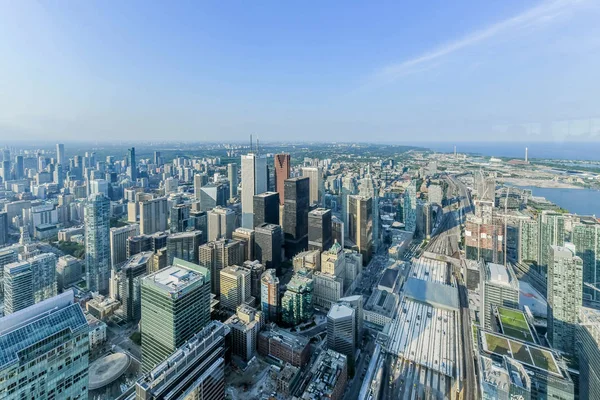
pixel 19 168
pixel 565 292
pixel 360 224
pixel 18 287
pixel 130 279
pixel 269 295
pixel 588 350
pixel 219 254
pixel 153 215
pixel 410 207
pixel 295 215
pixel 254 181
pixel 341 327
pixel 256 270
pixel 247 236
pixel 221 223
pixel 297 301
pixel 315 176
pixel 235 286
pixel 232 177
pixel 131 164
pixel 586 238
pixel 118 243
pixel 60 154
pixel 175 305
pixel 213 195
pixel 266 208
pixel 267 245
pixel 500 288
pixel 282 172
pixel 3 228
pixel 199 181
pixel 319 229
pixel 184 245
pixel 45 351
pixel 97 243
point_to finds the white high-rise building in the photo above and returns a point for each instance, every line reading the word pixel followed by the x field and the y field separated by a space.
pixel 60 154
pixel 315 176
pixel 99 186
pixel 254 181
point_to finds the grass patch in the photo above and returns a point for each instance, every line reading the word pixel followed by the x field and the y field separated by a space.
pixel 514 324
pixel 520 352
pixel 498 345
pixel 543 359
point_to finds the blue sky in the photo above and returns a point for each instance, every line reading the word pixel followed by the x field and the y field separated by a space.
pixel 348 71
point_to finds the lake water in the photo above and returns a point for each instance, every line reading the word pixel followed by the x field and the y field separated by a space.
pixel 577 201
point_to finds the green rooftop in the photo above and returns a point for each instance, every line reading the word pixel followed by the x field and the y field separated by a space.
pixel 514 324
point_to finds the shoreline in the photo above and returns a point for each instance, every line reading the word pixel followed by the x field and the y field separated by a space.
pixel 544 184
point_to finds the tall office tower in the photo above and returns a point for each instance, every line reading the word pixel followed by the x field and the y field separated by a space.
pixel 175 305
pixel 157 158
pixel 153 215
pixel 184 245
pixel 254 181
pixel 179 217
pixel 130 278
pixel 131 164
pixel 19 168
pixel 97 243
pixel 235 287
pixel 221 223
pixel 69 270
pixel 6 175
pixel 18 287
pixel 232 177
pixel 170 185
pixel 267 246
pixel 529 241
pixel 315 176
pixel 360 225
pixel 213 195
pixel 269 296
pixel 341 327
pixel 295 215
pixel 410 207
pixel 356 303
pixel 245 325
pixel 43 270
pixel 586 238
pixel 266 208
pixel 424 223
pixel 282 172
pixel 137 244
pixel 199 181
pixel 337 230
pixel 60 154
pixel 45 351
pixel 499 288
pixel 328 289
pixel 198 370
pixel 319 229
pixel 8 255
pixel 552 233
pixel 3 228
pixel 565 293
pixel 588 351
pixel 118 243
pixel 219 254
pixel 297 301
pixel 256 270
pixel 247 237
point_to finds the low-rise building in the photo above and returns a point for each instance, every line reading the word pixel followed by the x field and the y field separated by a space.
pixel 284 346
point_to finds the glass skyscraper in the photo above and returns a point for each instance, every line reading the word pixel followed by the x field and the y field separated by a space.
pixel 97 243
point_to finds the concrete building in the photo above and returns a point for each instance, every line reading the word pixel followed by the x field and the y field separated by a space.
pixel 245 326
pixel 254 181
pixel 45 351
pixel 256 270
pixel 269 296
pixel 232 177
pixel 565 293
pixel 297 301
pixel 235 284
pixel 328 289
pixel 295 215
pixel 131 275
pixel 97 243
pixel 175 304
pixel 341 329
pixel 307 261
pixel 360 224
pixel 153 215
pixel 118 243
pixel 267 245
pixel 184 245
pixel 247 237
pixel 588 350
pixel 586 238
pixel 329 375
pixel 266 208
pixel 410 207
pixel 221 223
pixel 282 172
pixel 218 255
pixel 315 176
pixel 500 287
pixel 320 235
pixel 196 369
pixel 68 271
pixel 284 346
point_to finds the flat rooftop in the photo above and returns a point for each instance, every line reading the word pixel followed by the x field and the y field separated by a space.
pixel 514 324
pixel 498 274
pixel 340 311
pixel 431 270
pixel 178 277
pixel 275 333
pixel 432 293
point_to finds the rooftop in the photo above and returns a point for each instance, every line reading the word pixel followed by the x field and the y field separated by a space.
pixel 275 333
pixel 340 311
pixel 499 275
pixel 179 276
pixel 432 293
pixel 514 324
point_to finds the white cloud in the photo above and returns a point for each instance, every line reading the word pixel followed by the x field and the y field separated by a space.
pixel 542 14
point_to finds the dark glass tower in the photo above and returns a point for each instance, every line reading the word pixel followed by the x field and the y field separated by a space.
pixel 266 208
pixel 295 215
pixel 320 235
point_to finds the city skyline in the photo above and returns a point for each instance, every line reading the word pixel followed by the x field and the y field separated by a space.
pixel 386 72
